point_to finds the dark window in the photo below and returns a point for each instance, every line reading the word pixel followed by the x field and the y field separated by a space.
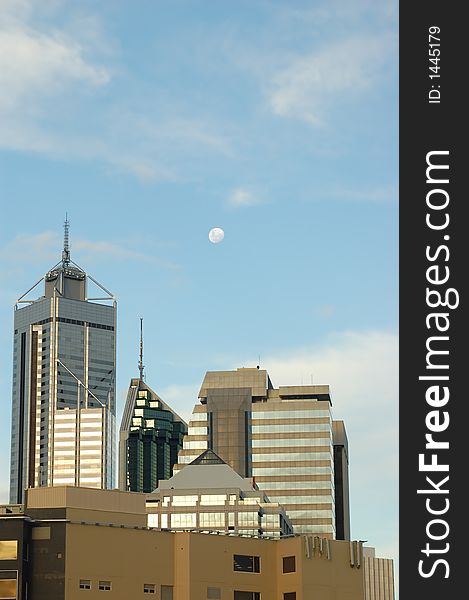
pixel 289 596
pixel 289 564
pixel 104 586
pixel 85 584
pixel 166 592
pixel 247 595
pixel 148 588
pixel 213 593
pixel 246 564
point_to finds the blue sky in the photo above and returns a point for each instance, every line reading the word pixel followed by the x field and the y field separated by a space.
pixel 149 123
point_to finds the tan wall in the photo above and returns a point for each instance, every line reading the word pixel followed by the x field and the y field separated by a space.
pixel 91 505
pixel 128 558
pixel 192 562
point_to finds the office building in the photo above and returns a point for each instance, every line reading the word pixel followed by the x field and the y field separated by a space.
pixel 150 438
pixel 64 371
pixel 57 546
pixel 283 438
pixel 208 495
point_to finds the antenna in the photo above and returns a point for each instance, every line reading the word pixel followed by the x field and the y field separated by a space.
pixel 140 362
pixel 66 250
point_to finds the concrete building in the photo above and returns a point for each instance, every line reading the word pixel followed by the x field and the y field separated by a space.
pixel 75 543
pixel 283 438
pixel 208 495
pixel 64 371
pixel 150 438
pixel 379 576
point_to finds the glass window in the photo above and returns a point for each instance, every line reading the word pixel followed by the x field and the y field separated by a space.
pixel 166 592
pixel 104 586
pixel 184 520
pixel 213 593
pixel 293 427
pixel 85 584
pixel 185 500
pixel 197 431
pixel 247 595
pixel 148 588
pixel 212 520
pixel 289 414
pixel 289 596
pixel 289 564
pixel 164 521
pixel 198 416
pixel 213 499
pixel 8 589
pixel 246 564
pixel 152 520
pixel 8 550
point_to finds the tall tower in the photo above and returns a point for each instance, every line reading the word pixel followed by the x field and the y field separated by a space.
pixel 285 438
pixel 150 436
pixel 64 373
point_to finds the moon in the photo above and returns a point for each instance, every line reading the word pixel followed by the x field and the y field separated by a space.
pixel 216 235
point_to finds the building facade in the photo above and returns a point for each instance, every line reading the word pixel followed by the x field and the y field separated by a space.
pixel 64 371
pixel 208 495
pixel 379 576
pixel 150 439
pixel 283 438
pixel 67 533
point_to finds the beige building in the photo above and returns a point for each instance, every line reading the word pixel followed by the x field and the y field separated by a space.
pixel 86 544
pixel 284 438
pixel 379 576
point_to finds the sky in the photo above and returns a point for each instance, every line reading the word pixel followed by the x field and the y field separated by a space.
pixel 149 123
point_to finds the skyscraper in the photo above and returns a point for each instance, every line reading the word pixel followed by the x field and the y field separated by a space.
pixel 283 437
pixel 64 372
pixel 150 438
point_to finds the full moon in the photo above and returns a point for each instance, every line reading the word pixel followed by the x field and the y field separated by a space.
pixel 216 235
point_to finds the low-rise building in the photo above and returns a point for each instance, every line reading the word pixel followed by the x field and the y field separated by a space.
pixel 71 543
pixel 208 495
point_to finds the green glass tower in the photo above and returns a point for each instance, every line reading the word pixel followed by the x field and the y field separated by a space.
pixel 151 436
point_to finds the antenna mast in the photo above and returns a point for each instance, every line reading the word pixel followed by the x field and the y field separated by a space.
pixel 66 250
pixel 140 362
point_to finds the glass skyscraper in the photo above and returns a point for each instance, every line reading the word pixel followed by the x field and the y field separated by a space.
pixel 284 438
pixel 64 372
pixel 151 435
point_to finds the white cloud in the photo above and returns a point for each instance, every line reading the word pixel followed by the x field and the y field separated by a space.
pixel 34 64
pixel 241 197
pixel 181 398
pixel 306 88
pixel 42 247
pixel 376 195
pixel 45 248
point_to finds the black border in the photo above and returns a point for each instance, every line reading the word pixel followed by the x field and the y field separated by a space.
pixel 426 127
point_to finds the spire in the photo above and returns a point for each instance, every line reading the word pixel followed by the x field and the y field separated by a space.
pixel 66 250
pixel 140 362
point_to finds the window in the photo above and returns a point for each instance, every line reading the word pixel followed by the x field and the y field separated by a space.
pixel 213 593
pixel 85 584
pixel 8 550
pixel 166 592
pixel 104 586
pixel 246 564
pixel 184 520
pixel 152 520
pixel 289 565
pixel 247 595
pixel 8 588
pixel 148 588
pixel 289 596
